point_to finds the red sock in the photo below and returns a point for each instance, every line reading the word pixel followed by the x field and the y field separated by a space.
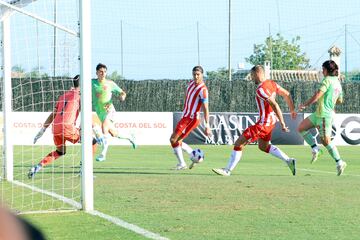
pixel 49 158
pixel 175 145
pixel 94 149
pixel 236 148
pixel 267 150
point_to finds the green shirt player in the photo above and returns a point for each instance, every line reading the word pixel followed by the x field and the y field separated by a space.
pixel 102 90
pixel 328 95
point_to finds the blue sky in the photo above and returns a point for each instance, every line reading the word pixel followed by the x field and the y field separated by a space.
pixel 160 37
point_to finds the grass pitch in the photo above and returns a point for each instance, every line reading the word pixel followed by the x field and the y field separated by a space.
pixel 261 200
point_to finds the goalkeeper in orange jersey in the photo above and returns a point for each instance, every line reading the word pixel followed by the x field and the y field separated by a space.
pixel 63 118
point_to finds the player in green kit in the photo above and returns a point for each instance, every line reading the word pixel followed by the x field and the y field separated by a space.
pixel 102 90
pixel 328 95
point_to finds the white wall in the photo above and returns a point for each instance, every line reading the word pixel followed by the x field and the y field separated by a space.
pixel 149 128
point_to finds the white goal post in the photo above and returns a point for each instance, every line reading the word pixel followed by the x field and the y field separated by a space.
pixel 7 9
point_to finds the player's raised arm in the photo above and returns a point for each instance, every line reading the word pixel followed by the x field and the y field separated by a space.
pixel 340 100
pixel 287 97
pixel 275 106
pixel 311 100
pixel 46 124
pixel 122 96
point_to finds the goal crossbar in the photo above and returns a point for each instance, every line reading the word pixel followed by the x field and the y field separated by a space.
pixel 60 27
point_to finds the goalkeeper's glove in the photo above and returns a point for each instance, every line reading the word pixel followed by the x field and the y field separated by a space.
pixel 39 135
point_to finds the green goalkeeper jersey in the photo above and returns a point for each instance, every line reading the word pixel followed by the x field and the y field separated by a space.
pixel 101 96
pixel 332 90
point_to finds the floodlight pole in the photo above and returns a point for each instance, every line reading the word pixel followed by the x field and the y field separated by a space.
pixel 198 42
pixel 346 70
pixel 87 196
pixel 122 48
pixel 55 43
pixel 8 154
pixel 229 47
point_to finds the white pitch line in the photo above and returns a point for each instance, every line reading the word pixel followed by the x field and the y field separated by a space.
pixel 333 173
pixel 114 220
pixel 51 194
pixel 128 226
pixel 47 211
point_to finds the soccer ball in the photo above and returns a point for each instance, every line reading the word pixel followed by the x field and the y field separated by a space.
pixel 197 155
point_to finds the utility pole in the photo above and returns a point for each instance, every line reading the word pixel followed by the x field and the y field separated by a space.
pixel 122 49
pixel 55 20
pixel 229 47
pixel 270 45
pixel 346 70
pixel 198 42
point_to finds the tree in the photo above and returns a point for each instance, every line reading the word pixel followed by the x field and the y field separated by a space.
pixel 36 72
pixel 115 76
pixel 18 69
pixel 221 74
pixel 283 54
pixel 353 76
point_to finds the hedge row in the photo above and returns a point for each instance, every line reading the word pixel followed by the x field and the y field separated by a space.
pixel 168 95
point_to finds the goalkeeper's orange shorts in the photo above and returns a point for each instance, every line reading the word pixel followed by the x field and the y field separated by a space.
pixel 63 134
pixel 185 126
pixel 258 131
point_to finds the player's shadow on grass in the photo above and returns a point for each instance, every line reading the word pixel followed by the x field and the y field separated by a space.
pixel 166 172
pixel 143 171
pixel 132 173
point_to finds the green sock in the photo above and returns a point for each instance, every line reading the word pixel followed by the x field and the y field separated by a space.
pixel 125 138
pixel 309 139
pixel 334 153
pixel 117 135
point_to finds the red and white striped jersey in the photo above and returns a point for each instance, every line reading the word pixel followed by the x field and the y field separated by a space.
pixel 196 95
pixel 265 90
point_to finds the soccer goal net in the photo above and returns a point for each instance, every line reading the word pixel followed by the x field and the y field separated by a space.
pixel 39 57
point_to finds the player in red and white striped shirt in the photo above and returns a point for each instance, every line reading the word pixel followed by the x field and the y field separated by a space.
pixel 197 97
pixel 269 114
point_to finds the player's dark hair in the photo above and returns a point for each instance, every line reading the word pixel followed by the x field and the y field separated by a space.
pixel 331 67
pixel 257 68
pixel 198 68
pixel 76 81
pixel 100 65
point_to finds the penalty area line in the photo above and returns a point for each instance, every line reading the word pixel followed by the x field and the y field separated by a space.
pixel 114 220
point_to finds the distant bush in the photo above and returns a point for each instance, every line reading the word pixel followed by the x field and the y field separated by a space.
pixel 168 95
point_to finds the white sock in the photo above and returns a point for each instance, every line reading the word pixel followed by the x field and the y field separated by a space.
pixel 276 152
pixel 315 149
pixel 105 146
pixel 97 131
pixel 186 148
pixel 340 162
pixel 179 155
pixel 234 159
